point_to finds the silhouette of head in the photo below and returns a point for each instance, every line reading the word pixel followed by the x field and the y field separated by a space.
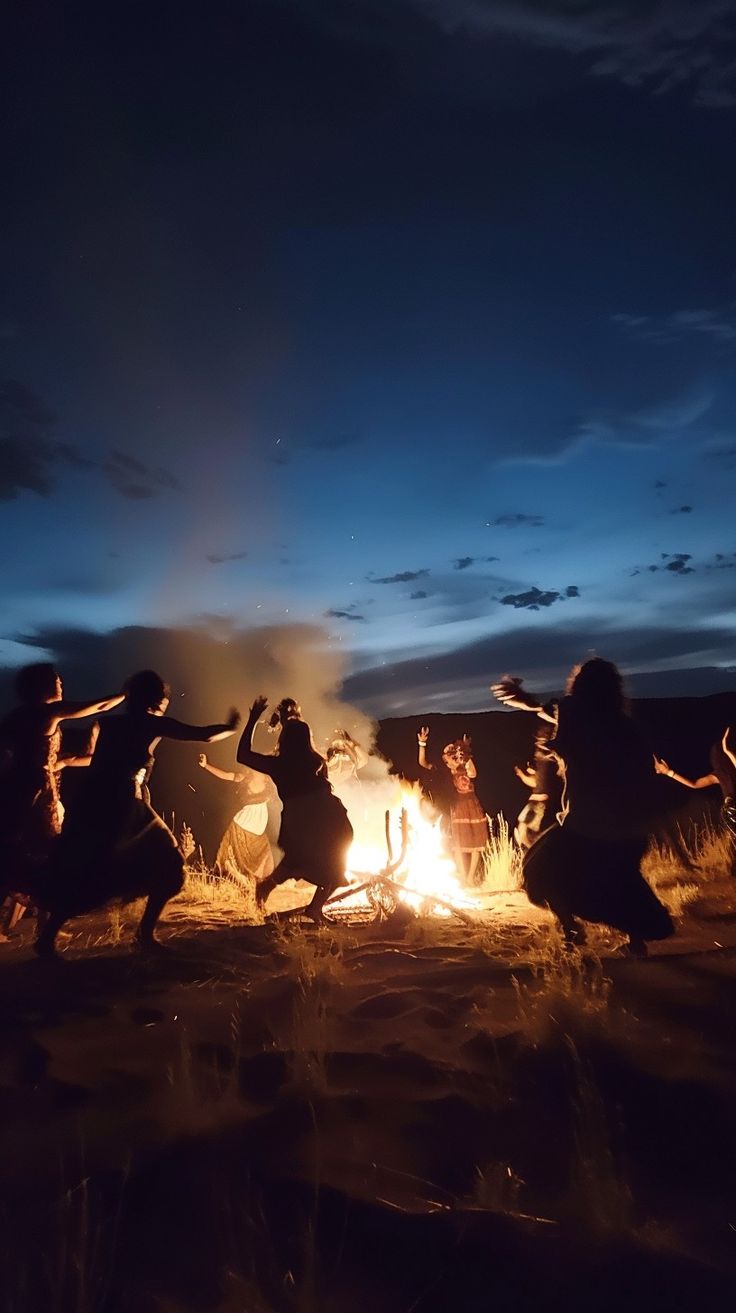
pixel 146 691
pixel 287 709
pixel 296 743
pixel 38 683
pixel 597 685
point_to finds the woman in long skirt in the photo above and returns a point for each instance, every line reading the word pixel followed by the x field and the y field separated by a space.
pixel 30 806
pixel 244 854
pixel 114 845
pixel 315 831
pixel 589 868
pixel 467 826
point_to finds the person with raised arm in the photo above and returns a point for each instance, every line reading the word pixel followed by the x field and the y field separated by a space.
pixel 468 831
pixel 244 853
pixel 344 759
pixel 589 867
pixel 30 739
pixel 541 777
pixel 315 833
pixel 113 844
pixel 721 774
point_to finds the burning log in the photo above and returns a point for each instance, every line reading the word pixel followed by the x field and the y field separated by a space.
pixel 384 893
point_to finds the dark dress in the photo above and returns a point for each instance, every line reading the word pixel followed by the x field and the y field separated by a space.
pixel 114 845
pixel 589 867
pixel 315 833
pixel 30 811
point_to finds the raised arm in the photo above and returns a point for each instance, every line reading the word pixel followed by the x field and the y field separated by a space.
pixel 724 744
pixel 511 693
pixel 168 728
pixel 64 710
pixel 702 782
pixel 246 756
pixel 422 739
pixel 234 776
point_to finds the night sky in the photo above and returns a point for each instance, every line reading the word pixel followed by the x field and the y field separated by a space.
pixel 412 319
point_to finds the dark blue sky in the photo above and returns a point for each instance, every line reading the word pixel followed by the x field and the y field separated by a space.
pixel 412 318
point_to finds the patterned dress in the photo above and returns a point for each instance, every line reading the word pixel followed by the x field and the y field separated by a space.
pixel 468 821
pixel 245 852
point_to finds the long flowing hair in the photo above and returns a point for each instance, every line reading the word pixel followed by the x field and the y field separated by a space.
pixel 296 748
pixel 597 688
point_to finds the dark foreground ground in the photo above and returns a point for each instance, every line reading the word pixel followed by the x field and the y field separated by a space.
pixel 357 1120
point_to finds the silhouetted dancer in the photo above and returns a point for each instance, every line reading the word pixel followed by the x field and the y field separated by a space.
pixel 315 831
pixel 468 823
pixel 286 709
pixel 723 774
pixel 589 867
pixel 542 777
pixel 30 807
pixel 114 845
pixel 245 853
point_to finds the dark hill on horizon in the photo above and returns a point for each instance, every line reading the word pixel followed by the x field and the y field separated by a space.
pixel 679 729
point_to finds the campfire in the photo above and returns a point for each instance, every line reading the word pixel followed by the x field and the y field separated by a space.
pixel 410 871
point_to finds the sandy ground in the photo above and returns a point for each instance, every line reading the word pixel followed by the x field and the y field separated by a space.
pixel 361 1118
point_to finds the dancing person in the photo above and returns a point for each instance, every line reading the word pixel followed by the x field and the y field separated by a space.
pixel 315 833
pixel 286 709
pixel 589 867
pixel 541 777
pixel 114 845
pixel 244 853
pixel 468 823
pixel 30 806
pixel 344 759
pixel 722 774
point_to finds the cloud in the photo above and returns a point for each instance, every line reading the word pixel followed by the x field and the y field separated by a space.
pixel 403 577
pixel 463 562
pixel 674 562
pixel 29 456
pixel 718 325
pixel 543 654
pixel 658 47
pixel 135 480
pixel 345 615
pixel 681 510
pixel 418 596
pixel 534 599
pixel 515 520
pixel 646 427
pixel 677 563
pixel 723 455
pixel 219 558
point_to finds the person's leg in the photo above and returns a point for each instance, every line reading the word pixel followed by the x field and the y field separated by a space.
pixel 45 944
pixel 473 863
pixel 166 883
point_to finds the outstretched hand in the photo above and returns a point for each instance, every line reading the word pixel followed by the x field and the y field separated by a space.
pixel 233 719
pixel 258 707
pixel 661 766
pixel 423 735
pixel 507 689
pixel 202 759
